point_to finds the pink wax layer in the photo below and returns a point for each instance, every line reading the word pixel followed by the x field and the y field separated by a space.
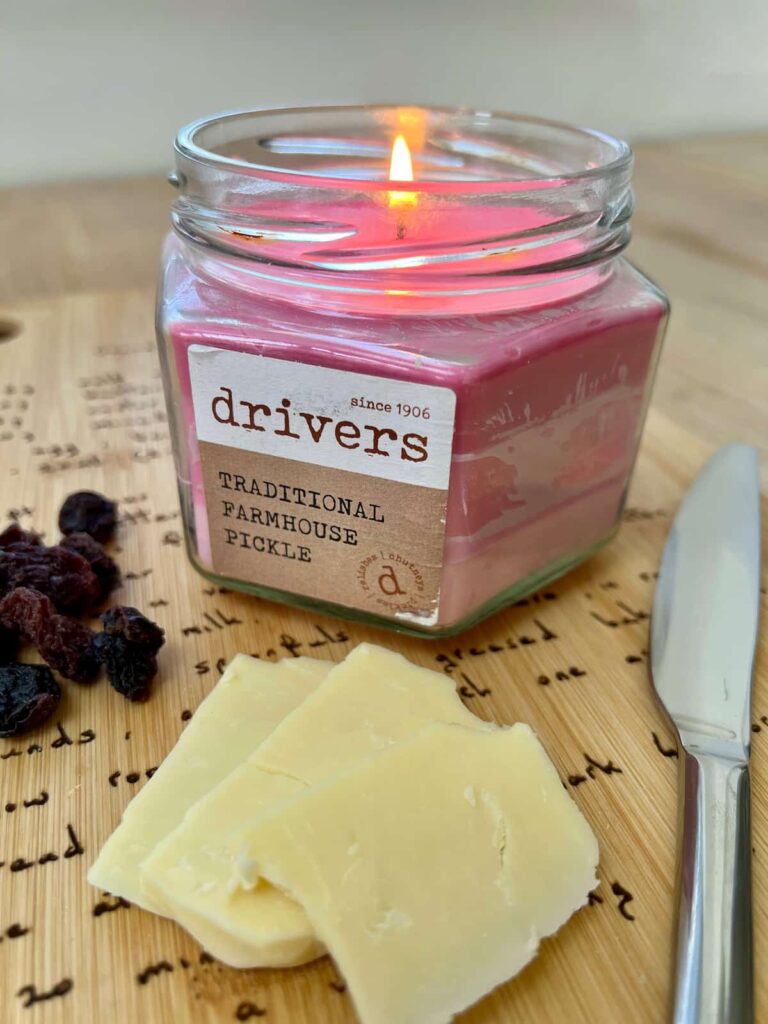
pixel 438 242
pixel 550 405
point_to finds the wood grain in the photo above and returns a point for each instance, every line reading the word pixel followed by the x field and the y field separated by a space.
pixel 80 405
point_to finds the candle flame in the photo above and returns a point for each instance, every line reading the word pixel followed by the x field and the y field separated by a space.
pixel 400 164
pixel 401 169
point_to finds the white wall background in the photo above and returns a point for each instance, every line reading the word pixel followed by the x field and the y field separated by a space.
pixel 99 87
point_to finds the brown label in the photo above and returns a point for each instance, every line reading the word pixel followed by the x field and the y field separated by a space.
pixel 327 533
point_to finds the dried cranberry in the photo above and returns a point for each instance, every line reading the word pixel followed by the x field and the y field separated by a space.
pixel 9 644
pixel 104 568
pixel 28 695
pixel 122 620
pixel 65 644
pixel 88 512
pixel 14 534
pixel 130 667
pixel 62 575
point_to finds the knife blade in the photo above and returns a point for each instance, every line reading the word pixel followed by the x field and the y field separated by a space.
pixel 704 627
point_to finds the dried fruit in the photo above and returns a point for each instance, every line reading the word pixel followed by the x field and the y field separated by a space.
pixel 38 584
pixel 127 647
pixel 63 576
pixel 122 620
pixel 9 644
pixel 65 644
pixel 130 667
pixel 104 568
pixel 28 695
pixel 88 512
pixel 14 534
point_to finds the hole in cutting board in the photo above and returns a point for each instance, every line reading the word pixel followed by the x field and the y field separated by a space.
pixel 8 330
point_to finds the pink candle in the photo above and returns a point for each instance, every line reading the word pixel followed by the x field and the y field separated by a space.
pixel 406 406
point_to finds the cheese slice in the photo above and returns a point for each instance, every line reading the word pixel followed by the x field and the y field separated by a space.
pixel 368 703
pixel 251 698
pixel 432 870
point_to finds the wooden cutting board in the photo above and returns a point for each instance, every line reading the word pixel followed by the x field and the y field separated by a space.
pixel 81 407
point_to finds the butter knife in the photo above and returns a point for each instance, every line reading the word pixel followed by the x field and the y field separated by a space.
pixel 703 637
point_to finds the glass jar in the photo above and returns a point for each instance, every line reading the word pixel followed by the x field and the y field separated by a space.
pixel 408 402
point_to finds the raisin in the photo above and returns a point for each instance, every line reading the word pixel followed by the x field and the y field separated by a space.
pixel 14 534
pixel 122 620
pixel 88 512
pixel 28 695
pixel 9 644
pixel 130 667
pixel 65 644
pixel 63 576
pixel 104 568
pixel 127 647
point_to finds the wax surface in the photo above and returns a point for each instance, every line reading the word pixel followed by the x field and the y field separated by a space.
pixel 550 405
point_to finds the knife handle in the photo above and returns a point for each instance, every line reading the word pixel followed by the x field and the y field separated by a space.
pixel 714 931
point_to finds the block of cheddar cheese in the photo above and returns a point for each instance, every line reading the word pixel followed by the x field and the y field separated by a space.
pixel 432 870
pixel 251 698
pixel 370 702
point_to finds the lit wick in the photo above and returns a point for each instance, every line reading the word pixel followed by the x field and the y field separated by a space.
pixel 401 169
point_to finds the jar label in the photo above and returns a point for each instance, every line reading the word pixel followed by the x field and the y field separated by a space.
pixel 322 482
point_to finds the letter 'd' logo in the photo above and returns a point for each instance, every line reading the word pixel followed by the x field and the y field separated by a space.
pixel 389 583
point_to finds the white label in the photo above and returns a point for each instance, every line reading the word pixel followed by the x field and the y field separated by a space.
pixel 391 429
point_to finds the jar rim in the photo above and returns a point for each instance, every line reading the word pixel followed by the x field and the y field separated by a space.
pixel 302 200
pixel 615 154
